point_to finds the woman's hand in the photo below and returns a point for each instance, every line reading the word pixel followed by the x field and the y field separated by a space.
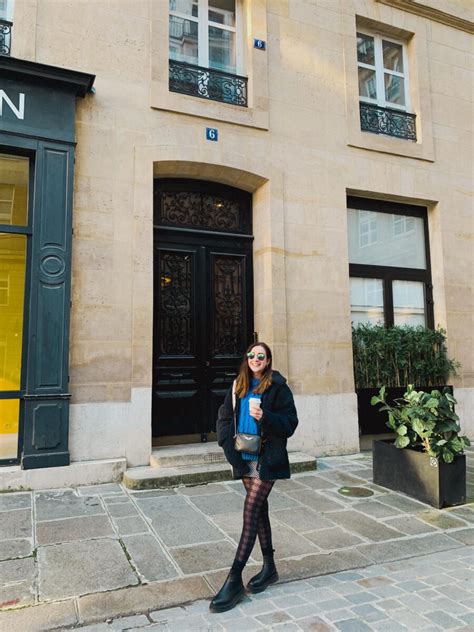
pixel 256 412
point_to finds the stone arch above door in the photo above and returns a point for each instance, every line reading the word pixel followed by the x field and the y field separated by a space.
pixel 237 170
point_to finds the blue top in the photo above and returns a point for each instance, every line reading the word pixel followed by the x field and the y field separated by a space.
pixel 246 422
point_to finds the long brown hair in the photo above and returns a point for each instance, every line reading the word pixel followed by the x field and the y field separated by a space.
pixel 245 374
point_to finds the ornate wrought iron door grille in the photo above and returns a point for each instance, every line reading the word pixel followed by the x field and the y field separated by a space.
pixel 207 83
pixel 379 120
pixel 5 36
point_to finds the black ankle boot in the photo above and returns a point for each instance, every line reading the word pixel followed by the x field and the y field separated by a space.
pixel 230 594
pixel 268 575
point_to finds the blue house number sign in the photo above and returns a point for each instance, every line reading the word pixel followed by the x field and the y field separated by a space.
pixel 260 44
pixel 212 133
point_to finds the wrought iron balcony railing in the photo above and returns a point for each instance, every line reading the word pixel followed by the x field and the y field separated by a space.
pixel 378 120
pixel 5 36
pixel 207 83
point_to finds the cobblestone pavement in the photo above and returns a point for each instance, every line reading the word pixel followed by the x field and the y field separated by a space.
pixel 78 556
pixel 432 592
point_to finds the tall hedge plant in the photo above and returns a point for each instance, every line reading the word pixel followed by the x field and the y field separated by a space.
pixel 400 355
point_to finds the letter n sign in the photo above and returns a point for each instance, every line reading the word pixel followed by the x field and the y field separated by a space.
pixel 19 111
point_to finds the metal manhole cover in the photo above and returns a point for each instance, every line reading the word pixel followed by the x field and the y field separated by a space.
pixel 357 492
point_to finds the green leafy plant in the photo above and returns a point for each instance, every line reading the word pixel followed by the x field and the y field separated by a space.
pixel 400 355
pixel 425 421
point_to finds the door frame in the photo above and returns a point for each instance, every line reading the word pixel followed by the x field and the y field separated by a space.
pixel 207 241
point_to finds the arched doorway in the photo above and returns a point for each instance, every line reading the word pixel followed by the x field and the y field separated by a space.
pixel 203 303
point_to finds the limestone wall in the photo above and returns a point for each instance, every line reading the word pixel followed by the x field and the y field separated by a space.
pixel 298 148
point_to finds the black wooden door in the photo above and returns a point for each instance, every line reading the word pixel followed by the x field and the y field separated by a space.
pixel 203 321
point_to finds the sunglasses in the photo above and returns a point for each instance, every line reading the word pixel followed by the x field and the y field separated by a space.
pixel 260 356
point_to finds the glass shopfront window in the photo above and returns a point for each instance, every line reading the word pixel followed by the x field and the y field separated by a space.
pixel 14 178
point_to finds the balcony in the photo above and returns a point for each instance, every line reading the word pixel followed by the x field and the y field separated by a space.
pixel 386 121
pixel 5 36
pixel 207 83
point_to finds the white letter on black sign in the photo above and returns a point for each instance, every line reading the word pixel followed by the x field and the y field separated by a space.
pixel 19 111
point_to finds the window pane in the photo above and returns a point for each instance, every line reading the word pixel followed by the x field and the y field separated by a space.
pixel 394 89
pixel 392 56
pixel 9 421
pixel 14 172
pixel 188 7
pixel 183 40
pixel 408 303
pixel 367 83
pixel 383 245
pixel 365 49
pixel 12 291
pixel 221 49
pixel 222 12
pixel 366 301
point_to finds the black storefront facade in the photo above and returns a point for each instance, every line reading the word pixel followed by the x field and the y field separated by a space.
pixel 37 141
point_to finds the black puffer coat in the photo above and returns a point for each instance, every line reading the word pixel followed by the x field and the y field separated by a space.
pixel 279 422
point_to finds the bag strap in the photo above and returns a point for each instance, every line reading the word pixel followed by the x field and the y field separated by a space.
pixel 234 384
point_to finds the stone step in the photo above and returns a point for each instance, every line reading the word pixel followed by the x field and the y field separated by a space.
pixel 187 454
pixel 148 477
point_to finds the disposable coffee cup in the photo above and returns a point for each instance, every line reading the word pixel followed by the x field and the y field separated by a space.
pixel 254 402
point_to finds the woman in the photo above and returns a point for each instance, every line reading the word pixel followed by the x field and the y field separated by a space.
pixel 274 420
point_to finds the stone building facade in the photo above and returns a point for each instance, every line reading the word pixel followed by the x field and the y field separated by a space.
pixel 294 123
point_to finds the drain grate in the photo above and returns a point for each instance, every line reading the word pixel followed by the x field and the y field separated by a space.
pixel 356 492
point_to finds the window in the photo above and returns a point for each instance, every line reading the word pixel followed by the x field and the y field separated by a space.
pixel 7 198
pixel 367 228
pixel 6 9
pixel 205 51
pixel 389 263
pixel 6 12
pixel 4 289
pixel 14 222
pixel 383 86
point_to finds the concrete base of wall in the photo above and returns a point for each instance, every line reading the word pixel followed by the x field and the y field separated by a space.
pixel 465 410
pixel 327 424
pixel 112 430
pixel 77 474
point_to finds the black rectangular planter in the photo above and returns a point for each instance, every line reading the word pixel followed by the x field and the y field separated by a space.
pixel 371 421
pixel 420 476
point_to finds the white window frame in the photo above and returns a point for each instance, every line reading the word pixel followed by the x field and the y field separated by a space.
pixel 8 218
pixel 402 225
pixel 367 219
pixel 204 23
pixel 4 289
pixel 380 71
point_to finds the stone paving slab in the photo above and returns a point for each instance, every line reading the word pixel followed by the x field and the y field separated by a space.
pixel 389 551
pixel 70 529
pixel 15 501
pixel 302 519
pixel 360 524
pixel 77 568
pixel 54 505
pixel 333 539
pixel 204 557
pixel 17 594
pixel 17 570
pixel 142 598
pixel 43 617
pixel 149 558
pixel 9 549
pixel 16 524
pixel 177 521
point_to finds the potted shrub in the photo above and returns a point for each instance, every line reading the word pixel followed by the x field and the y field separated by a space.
pixel 395 357
pixel 426 459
